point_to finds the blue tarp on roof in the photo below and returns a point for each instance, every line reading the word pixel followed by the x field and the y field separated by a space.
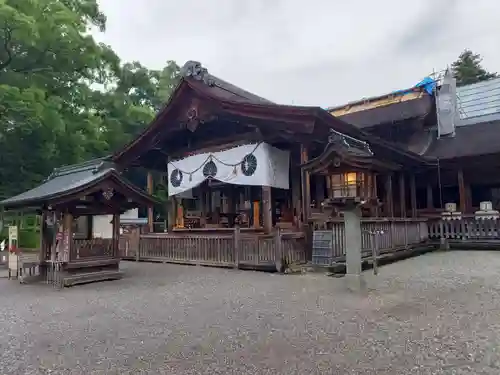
pixel 428 84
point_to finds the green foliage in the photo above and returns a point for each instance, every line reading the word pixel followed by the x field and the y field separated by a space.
pixel 65 98
pixel 467 69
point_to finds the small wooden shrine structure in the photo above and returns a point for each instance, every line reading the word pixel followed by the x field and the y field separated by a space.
pixel 67 201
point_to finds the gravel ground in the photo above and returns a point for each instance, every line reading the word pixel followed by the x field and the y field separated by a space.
pixel 435 314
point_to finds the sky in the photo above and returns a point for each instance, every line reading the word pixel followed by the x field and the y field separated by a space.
pixel 315 52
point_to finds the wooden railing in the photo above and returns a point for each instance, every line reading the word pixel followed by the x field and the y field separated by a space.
pixel 467 227
pixel 229 249
pixel 95 247
pixel 385 234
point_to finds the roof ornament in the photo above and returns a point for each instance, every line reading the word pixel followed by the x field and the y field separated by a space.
pixel 353 144
pixel 195 70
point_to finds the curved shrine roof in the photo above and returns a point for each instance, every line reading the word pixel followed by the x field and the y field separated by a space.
pixel 72 180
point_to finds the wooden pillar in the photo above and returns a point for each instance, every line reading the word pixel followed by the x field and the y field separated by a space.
pixel 374 211
pixel 306 186
pixel 150 208
pixel 430 198
pixel 389 196
pixel 256 214
pixel 319 193
pixel 116 235
pixel 203 210
pixel 43 217
pixel 402 194
pixel 267 218
pixel 67 237
pixel 295 179
pixel 179 220
pixel 461 191
pixel 413 195
pixel 468 201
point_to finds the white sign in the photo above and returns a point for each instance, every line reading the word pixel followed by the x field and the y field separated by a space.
pixel 13 233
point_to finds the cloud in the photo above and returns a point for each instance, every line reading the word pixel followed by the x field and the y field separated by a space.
pixel 319 52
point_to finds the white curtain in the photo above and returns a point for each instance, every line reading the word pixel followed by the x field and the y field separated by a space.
pixel 253 164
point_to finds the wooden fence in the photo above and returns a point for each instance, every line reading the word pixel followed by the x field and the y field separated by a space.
pixel 466 228
pixel 229 249
pixel 387 235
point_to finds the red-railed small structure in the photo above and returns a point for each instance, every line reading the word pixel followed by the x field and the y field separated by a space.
pixel 250 181
pixel 67 201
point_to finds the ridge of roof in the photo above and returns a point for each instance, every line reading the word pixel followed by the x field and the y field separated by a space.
pixel 96 164
pixel 194 70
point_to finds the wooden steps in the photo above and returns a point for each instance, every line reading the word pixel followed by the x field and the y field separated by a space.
pixel 90 277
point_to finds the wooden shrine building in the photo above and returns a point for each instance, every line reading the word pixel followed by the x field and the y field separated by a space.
pixel 465 157
pixel 233 159
pixel 67 201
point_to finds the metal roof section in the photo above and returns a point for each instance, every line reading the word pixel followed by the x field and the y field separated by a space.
pixel 479 102
pixel 63 180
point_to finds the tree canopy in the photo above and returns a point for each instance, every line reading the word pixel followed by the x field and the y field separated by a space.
pixel 468 69
pixel 64 98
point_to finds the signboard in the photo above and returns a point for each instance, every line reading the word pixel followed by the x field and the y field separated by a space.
pixel 12 233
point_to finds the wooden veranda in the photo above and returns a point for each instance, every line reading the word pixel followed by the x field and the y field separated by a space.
pixel 237 249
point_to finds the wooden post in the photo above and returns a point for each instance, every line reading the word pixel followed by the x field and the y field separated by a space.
pixel 67 237
pixel 461 191
pixel 296 201
pixel 42 237
pixel 180 214
pixel 389 196
pixel 236 246
pixel 402 194
pixel 116 235
pixel 306 186
pixel 256 214
pixel 203 211
pixel 278 251
pixel 172 213
pixel 319 194
pixel 150 208
pixel 430 198
pixel 375 210
pixel 267 217
pixel 468 201
pixel 413 195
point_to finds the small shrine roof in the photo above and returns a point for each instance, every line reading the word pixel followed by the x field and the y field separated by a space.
pixel 73 180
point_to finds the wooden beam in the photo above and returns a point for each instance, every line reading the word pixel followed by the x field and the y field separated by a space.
pixel 402 194
pixel 461 191
pixel 389 196
pixel 150 208
pixel 413 195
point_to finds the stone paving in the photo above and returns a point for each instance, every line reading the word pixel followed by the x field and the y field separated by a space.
pixel 435 314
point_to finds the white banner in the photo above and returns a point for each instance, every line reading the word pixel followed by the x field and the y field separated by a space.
pixel 253 164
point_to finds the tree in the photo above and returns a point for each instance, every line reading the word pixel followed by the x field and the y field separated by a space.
pixel 65 98
pixel 467 69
